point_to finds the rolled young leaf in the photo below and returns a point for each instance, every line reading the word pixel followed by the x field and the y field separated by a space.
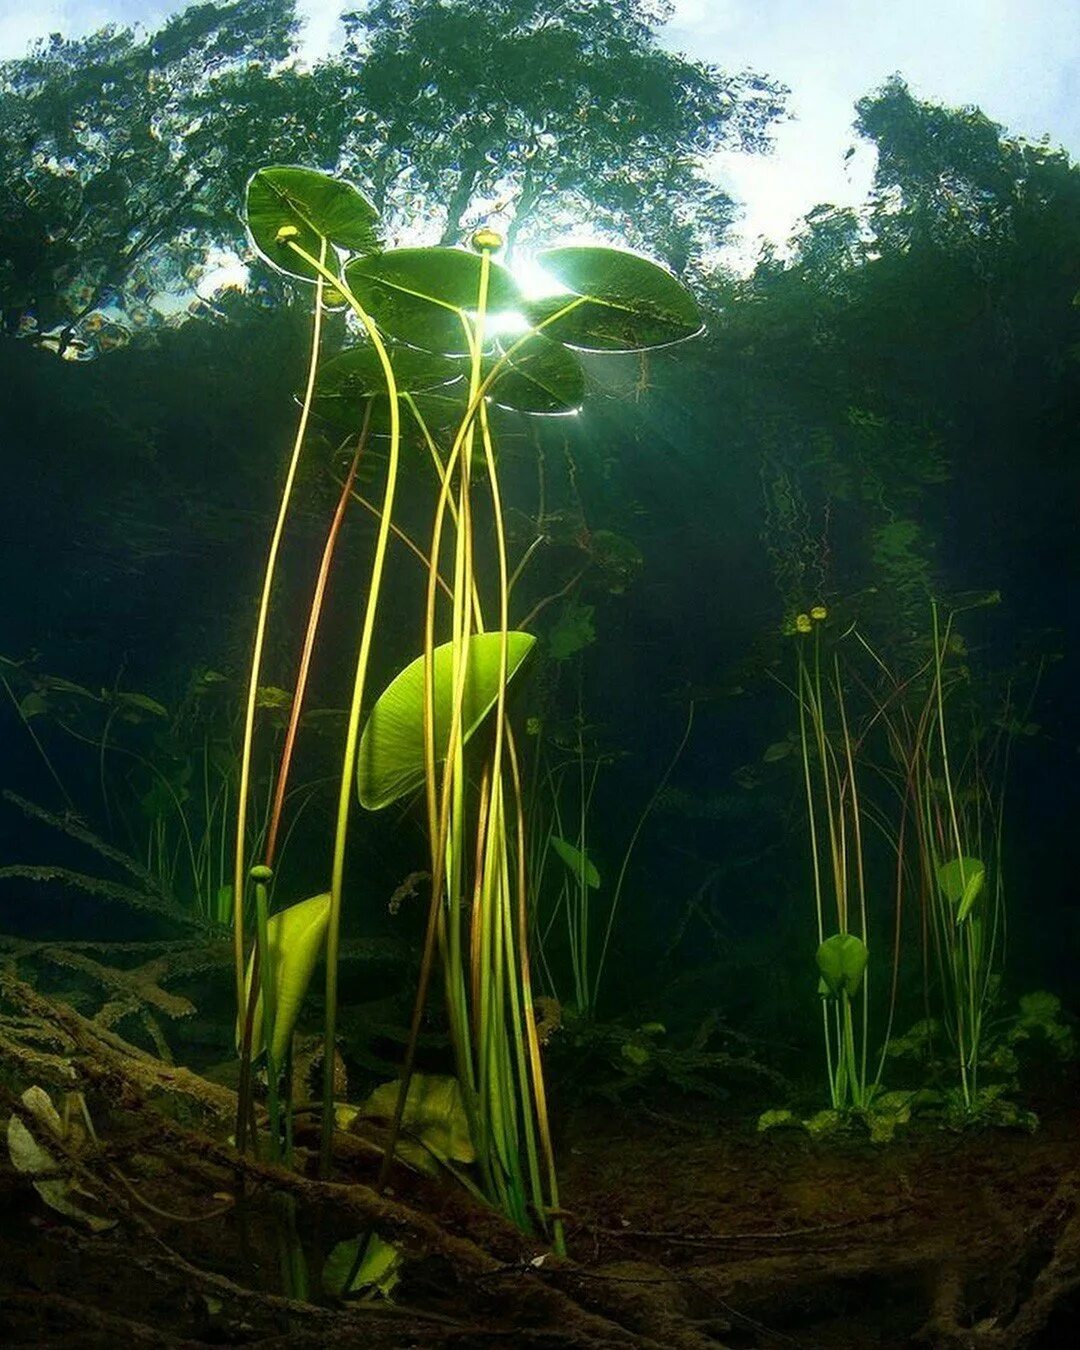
pixel 391 760
pixel 961 881
pixel 296 936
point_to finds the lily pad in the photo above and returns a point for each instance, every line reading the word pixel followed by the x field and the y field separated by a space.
pixel 418 295
pixel 352 377
pixel 841 959
pixel 539 376
pixel 627 302
pixel 288 205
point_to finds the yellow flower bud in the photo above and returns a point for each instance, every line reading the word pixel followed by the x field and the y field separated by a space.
pixel 818 613
pixel 802 623
pixel 486 240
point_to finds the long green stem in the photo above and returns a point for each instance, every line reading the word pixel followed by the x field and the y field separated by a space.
pixel 261 876
pixel 240 859
pixel 352 735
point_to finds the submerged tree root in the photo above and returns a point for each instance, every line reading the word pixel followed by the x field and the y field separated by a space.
pixel 163 1276
pixel 186 1265
pixel 1044 1280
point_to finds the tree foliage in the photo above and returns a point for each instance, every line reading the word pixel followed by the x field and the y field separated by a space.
pixel 120 153
pixel 902 378
pixel 553 109
pixel 124 156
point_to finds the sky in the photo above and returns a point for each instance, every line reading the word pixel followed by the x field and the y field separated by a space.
pixel 1018 60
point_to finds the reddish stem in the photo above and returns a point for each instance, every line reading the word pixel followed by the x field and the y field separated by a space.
pixel 309 644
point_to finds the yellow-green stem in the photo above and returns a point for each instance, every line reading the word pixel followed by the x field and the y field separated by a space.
pixel 243 793
pixel 352 735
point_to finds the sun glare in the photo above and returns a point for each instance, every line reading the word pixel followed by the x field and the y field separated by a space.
pixel 224 272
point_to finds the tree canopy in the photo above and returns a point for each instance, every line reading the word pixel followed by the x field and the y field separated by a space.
pixel 118 150
pixel 124 155
pixel 556 112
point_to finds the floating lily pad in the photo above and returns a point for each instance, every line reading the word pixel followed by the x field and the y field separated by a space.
pixel 289 206
pixel 418 295
pixel 627 302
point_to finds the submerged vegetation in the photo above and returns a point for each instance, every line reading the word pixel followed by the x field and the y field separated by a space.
pixel 480 662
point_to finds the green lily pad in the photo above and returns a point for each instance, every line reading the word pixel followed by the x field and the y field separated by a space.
pixel 541 377
pixel 841 959
pixel 352 377
pixel 288 205
pixel 628 302
pixel 418 295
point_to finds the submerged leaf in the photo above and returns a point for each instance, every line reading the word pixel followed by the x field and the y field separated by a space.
pixel 434 1114
pixel 961 881
pixel 296 936
pixel 391 759
pixel 378 1272
pixel 33 705
pixel 841 959
pixel 31 1158
pixel 572 631
pixel 579 863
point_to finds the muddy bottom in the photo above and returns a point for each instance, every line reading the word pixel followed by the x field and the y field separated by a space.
pixel 935 1239
pixel 683 1231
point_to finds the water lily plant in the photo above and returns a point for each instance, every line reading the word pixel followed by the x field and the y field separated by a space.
pixel 959 822
pixel 442 337
pixel 835 817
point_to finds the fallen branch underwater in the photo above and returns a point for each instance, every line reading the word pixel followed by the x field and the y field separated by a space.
pixel 163 1159
pixel 513 1288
